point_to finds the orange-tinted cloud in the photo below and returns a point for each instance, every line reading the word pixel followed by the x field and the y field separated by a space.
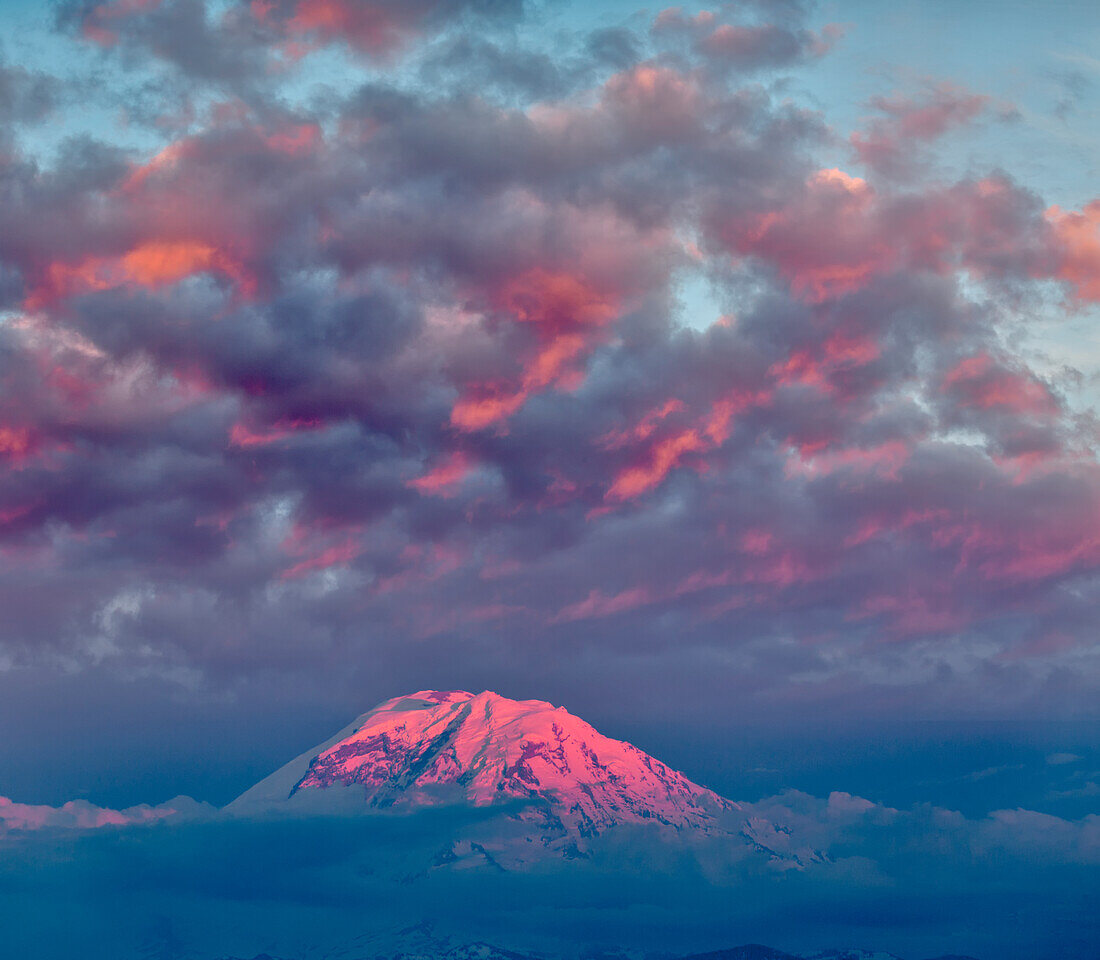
pixel 663 456
pixel 152 264
pixel 824 242
pixel 644 428
pixel 824 366
pixel 838 234
pixel 446 475
pixel 565 312
pixel 672 449
pixel 1078 255
pixel 555 300
pixel 242 435
pixel 479 412
pixel 15 443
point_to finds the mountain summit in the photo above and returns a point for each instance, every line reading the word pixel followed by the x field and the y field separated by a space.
pixel 433 747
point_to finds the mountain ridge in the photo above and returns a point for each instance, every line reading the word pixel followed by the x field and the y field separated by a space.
pixel 433 747
pixel 749 951
pixel 535 782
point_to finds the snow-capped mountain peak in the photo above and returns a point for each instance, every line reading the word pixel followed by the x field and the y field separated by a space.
pixel 433 747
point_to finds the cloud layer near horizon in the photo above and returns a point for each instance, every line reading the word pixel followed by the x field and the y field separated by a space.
pixel 419 363
pixel 181 881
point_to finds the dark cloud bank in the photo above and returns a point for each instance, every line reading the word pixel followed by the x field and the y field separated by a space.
pixel 407 381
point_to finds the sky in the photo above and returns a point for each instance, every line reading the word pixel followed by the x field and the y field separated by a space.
pixel 724 373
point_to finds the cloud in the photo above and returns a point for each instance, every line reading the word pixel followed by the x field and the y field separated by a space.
pixel 81 815
pixel 342 882
pixel 238 43
pixel 1078 254
pixel 893 142
pixel 324 379
pixel 26 95
pixel 1090 788
pixel 987 772
pixel 1061 759
pixel 773 36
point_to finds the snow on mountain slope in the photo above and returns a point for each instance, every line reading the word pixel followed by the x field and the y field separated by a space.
pixel 433 747
pixel 515 781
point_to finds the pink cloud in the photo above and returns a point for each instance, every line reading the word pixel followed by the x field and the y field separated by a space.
pixel 883 460
pixel 447 474
pixel 890 141
pixel 370 27
pixel 242 435
pixel 336 556
pixel 838 234
pixel 322 548
pixel 673 447
pixel 596 604
pixel 152 264
pixel 824 242
pixel 644 428
pixel 566 312
pixel 16 443
pixel 913 614
pixel 96 23
pixel 1077 235
pixel 663 456
pixel 979 381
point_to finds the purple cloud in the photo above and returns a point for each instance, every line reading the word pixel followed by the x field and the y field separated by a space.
pixel 310 385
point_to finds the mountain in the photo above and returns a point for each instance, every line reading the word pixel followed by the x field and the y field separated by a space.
pixel 853 955
pixel 540 783
pixel 750 951
pixel 440 950
pixel 436 747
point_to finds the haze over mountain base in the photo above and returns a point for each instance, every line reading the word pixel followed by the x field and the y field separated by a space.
pixel 315 887
pixel 442 819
